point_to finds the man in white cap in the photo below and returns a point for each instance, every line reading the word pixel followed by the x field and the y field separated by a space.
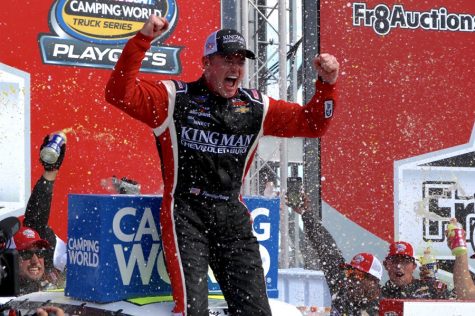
pixel 354 286
pixel 360 290
pixel 207 132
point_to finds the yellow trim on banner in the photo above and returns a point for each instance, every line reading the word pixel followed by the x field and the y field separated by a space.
pixel 163 298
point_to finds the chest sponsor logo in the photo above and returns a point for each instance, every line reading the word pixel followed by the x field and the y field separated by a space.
pixel 238 103
pixel 240 106
pixel 242 109
pixel 195 121
pixel 199 104
pixel 200 99
pixel 91 33
pixel 214 142
pixel 198 116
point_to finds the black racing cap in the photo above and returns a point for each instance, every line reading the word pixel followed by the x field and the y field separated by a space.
pixel 227 41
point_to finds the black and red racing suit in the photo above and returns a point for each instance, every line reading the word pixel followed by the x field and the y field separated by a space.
pixel 206 145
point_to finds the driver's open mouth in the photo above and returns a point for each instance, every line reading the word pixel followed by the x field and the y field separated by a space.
pixel 231 80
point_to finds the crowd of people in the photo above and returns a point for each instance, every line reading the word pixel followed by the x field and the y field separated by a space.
pixel 355 286
pixel 202 218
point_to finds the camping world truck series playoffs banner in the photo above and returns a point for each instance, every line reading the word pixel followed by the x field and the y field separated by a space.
pixel 69 48
pixel 404 127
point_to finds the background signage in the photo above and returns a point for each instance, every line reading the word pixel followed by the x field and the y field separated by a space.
pixel 406 89
pixel 115 251
pixel 68 47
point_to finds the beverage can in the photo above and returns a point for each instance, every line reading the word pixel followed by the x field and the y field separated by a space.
pixel 50 153
pixel 429 265
pixel 457 241
pixel 120 186
pixel 431 270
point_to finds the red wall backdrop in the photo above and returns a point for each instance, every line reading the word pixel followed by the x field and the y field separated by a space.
pixel 104 142
pixel 402 94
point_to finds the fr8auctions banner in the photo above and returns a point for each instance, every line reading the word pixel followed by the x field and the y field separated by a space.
pixel 403 130
pixel 68 47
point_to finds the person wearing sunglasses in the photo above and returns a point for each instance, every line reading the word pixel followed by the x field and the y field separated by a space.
pixel 400 264
pixel 36 241
pixel 38 209
pixel 32 250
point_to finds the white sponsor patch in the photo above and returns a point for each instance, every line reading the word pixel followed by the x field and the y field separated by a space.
pixel 328 108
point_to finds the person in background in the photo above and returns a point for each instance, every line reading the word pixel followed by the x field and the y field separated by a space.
pixel 32 250
pixel 355 286
pixel 400 265
pixel 36 241
pixel 207 132
pixel 38 208
pixel 464 287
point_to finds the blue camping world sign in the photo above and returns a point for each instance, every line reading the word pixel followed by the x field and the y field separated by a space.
pixel 115 252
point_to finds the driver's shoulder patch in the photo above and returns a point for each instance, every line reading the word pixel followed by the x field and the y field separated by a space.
pixel 328 106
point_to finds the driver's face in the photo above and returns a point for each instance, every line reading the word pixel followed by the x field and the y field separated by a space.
pixel 224 73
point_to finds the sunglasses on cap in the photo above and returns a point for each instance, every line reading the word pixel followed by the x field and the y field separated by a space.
pixel 356 274
pixel 28 254
pixel 400 260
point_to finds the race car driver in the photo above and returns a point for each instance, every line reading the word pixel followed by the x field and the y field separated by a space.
pixel 207 132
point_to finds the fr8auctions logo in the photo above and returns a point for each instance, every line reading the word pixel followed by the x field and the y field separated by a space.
pixel 382 19
pixel 444 200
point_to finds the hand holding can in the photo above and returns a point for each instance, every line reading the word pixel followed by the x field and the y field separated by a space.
pixel 456 238
pixel 52 150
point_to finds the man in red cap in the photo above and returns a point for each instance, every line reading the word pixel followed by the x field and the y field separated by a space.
pixel 38 209
pixel 207 132
pixel 31 249
pixel 36 240
pixel 400 264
